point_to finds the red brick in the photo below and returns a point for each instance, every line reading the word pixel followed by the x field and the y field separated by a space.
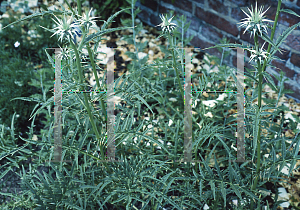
pixel 285 18
pixel 195 24
pixel 143 15
pixel 210 33
pixel 164 10
pixel 246 37
pixel 284 55
pixel 217 21
pixel 298 78
pixel 183 4
pixel 293 42
pixel 197 42
pixel 218 6
pixel 240 2
pixel 288 72
pixel 296 90
pixel 246 64
pixel 200 1
pixel 237 13
pixel 152 4
pixel 295 59
pixel 289 86
pixel 155 20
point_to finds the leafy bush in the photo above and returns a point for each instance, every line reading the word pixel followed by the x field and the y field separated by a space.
pixel 148 172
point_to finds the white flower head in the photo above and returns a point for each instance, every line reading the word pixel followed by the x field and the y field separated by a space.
pixel 64 53
pixel 87 21
pixel 65 28
pixel 17 44
pixel 255 20
pixel 166 24
pixel 258 55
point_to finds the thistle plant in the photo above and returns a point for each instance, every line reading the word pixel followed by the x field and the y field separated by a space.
pixel 147 179
pixel 167 29
pixel 256 24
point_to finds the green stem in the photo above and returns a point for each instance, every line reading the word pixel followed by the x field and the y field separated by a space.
pixel 87 103
pixel 82 40
pixel 175 67
pixel 273 32
pixel 96 77
pixel 79 7
pixel 259 125
pixel 260 71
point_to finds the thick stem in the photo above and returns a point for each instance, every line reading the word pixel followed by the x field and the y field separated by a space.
pixel 175 67
pixel 79 7
pixel 260 70
pixel 259 125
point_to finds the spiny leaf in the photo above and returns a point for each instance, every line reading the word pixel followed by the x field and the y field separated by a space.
pixel 290 11
pixel 229 45
pixel 284 35
pixel 94 35
pixel 269 79
pixel 35 15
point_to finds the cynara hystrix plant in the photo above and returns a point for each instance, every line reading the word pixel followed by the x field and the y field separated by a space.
pixel 257 25
pixel 148 179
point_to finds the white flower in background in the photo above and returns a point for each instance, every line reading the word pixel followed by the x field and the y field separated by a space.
pixel 195 104
pixel 17 44
pixel 173 99
pixel 210 103
pixel 258 55
pixel 32 33
pixel 221 97
pixel 166 24
pixel 255 20
pixel 209 114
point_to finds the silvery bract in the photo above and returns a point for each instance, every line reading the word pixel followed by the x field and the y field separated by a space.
pixel 258 55
pixel 87 21
pixel 255 21
pixel 166 24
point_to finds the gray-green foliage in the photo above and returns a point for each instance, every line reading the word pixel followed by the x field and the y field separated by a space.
pixel 146 176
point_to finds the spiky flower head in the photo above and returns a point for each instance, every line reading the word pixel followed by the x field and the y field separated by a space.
pixel 258 54
pixel 255 21
pixel 166 24
pixel 87 21
pixel 65 28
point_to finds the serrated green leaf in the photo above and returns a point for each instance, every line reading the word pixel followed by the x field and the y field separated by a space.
pixel 236 190
pixel 283 36
pixel 35 15
pixel 229 45
pixel 95 35
pixel 267 39
pixel 270 79
pixel 290 12
pixel 223 191
pixel 213 188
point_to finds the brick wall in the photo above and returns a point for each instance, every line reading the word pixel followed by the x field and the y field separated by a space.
pixel 212 20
